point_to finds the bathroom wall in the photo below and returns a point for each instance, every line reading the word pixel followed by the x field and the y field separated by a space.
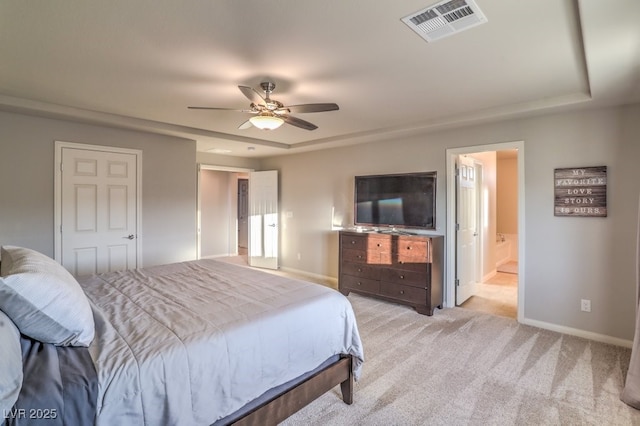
pixel 507 204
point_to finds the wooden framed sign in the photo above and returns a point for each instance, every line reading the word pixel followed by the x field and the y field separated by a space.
pixel 580 191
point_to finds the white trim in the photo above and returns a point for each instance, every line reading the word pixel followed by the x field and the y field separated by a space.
pixel 217 256
pixel 332 280
pixel 489 275
pixel 603 338
pixel 202 166
pixel 451 155
pixel 57 192
pixel 198 213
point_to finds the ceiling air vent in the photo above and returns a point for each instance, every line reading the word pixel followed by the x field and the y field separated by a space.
pixel 445 18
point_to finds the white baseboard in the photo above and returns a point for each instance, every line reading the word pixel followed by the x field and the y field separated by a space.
pixel 602 338
pixel 489 275
pixel 216 256
pixel 332 280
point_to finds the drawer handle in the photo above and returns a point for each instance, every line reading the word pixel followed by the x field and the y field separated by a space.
pixel 359 256
pixel 408 247
pixel 359 283
pixel 359 269
pixel 379 245
pixel 353 241
pixel 402 277
pixel 401 291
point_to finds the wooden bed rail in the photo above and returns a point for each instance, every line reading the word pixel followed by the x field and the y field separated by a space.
pixel 292 400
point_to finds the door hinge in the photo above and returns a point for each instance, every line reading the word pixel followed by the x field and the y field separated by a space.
pixel 457 226
pixel 457 282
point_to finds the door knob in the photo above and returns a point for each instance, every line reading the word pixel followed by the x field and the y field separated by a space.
pixel 130 237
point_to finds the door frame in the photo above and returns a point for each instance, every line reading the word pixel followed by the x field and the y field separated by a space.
pixel 57 192
pixel 451 155
pixel 243 229
pixel 204 166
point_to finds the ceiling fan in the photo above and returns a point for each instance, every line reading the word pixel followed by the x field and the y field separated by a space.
pixel 269 114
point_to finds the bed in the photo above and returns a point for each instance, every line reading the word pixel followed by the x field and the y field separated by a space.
pixel 199 343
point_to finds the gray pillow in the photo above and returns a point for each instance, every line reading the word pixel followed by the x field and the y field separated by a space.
pixel 43 299
pixel 10 363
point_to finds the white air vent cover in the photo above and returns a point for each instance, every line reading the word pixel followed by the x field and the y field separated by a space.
pixel 445 18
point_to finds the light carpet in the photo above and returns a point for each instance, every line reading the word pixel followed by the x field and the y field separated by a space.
pixel 460 367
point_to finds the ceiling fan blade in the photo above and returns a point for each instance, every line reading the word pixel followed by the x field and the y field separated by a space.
pixel 299 123
pixel 246 125
pixel 302 108
pixel 252 95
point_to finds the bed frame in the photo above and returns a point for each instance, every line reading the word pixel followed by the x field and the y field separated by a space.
pixel 290 401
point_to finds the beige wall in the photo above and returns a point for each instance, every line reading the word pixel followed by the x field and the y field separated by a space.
pixel 507 195
pixel 227 161
pixel 566 259
pixel 26 193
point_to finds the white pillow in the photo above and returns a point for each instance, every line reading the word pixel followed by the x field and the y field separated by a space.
pixel 10 363
pixel 43 299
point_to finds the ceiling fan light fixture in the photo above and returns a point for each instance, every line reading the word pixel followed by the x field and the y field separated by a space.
pixel 266 121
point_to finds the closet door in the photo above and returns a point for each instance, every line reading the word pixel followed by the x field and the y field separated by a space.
pixel 98 210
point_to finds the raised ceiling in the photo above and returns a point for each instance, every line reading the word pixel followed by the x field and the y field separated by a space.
pixel 139 64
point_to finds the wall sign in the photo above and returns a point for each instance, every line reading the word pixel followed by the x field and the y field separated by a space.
pixel 580 191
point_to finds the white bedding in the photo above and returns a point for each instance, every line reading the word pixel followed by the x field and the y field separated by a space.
pixel 192 342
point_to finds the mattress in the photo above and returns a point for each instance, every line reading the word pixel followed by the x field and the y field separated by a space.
pixel 192 342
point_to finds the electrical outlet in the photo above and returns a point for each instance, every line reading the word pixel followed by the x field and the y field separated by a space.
pixel 585 305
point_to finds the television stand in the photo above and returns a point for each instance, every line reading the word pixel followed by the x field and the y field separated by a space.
pixel 400 268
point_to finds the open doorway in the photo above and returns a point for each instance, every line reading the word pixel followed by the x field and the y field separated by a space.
pixel 238 216
pixel 219 225
pixel 485 214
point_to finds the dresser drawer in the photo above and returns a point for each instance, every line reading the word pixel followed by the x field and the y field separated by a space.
pixel 358 256
pixel 416 265
pixel 360 270
pixel 379 243
pixel 405 293
pixel 366 242
pixel 405 277
pixel 368 285
pixel 409 250
pixel 356 242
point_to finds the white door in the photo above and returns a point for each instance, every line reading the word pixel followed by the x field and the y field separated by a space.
pixel 263 219
pixel 467 230
pixel 98 211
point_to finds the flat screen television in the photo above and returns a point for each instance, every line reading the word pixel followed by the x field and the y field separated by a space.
pixel 406 200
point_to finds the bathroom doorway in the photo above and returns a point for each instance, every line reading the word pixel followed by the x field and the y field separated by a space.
pixel 496 291
pixel 497 285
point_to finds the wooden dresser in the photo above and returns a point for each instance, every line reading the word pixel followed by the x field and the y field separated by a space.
pixel 396 267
